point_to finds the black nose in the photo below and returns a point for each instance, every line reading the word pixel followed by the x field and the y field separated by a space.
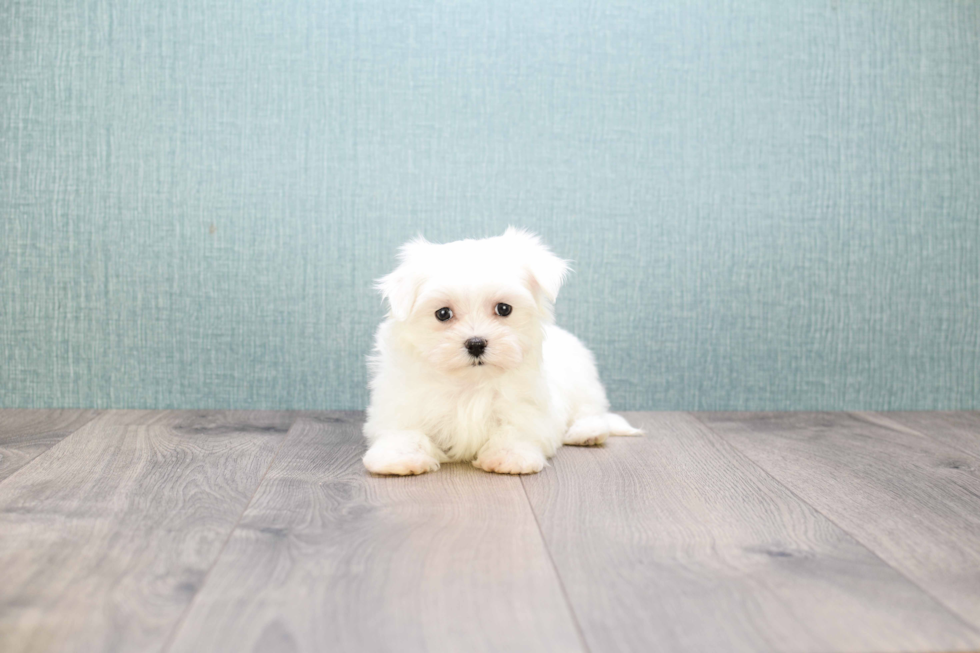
pixel 475 346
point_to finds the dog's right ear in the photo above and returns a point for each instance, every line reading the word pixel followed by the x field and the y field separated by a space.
pixel 401 287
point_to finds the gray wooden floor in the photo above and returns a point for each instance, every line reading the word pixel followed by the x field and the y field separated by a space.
pixel 260 531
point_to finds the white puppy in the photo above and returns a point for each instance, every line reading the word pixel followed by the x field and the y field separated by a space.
pixel 469 365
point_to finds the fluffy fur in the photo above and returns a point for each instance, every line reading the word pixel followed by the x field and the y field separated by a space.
pixel 534 388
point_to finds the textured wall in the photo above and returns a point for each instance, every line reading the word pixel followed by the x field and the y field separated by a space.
pixel 770 204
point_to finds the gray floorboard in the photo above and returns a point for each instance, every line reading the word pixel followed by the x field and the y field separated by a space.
pixel 960 430
pixel 676 542
pixel 26 434
pixel 329 558
pixel 219 531
pixel 913 500
pixel 105 538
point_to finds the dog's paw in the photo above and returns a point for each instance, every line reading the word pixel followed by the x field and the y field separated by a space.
pixel 596 429
pixel 588 431
pixel 517 458
pixel 586 441
pixel 398 462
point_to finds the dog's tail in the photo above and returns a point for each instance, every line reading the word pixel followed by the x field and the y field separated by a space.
pixel 595 429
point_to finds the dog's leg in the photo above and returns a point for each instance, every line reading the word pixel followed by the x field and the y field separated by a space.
pixel 505 455
pixel 402 453
pixel 595 429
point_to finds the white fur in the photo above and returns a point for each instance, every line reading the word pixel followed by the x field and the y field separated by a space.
pixel 535 387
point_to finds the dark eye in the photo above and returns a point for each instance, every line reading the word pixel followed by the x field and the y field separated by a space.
pixel 503 310
pixel 443 314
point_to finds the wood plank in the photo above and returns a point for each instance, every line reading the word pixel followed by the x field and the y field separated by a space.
pixel 108 535
pixel 911 499
pixel 25 434
pixel 957 429
pixel 328 557
pixel 676 542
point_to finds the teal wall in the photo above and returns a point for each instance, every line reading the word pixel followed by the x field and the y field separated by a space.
pixel 770 205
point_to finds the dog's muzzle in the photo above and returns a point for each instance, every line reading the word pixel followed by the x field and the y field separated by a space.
pixel 475 346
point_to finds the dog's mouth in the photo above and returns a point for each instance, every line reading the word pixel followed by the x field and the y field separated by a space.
pixel 477 363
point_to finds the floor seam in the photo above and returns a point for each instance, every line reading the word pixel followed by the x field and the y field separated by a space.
pixel 30 462
pixel 956 615
pixel 172 638
pixel 554 566
pixel 896 425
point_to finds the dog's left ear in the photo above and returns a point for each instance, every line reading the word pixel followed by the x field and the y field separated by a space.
pixel 546 272
pixel 401 287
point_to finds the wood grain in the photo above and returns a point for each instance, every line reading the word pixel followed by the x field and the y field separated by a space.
pixel 911 499
pixel 676 542
pixel 108 535
pixel 328 557
pixel 25 434
pixel 960 430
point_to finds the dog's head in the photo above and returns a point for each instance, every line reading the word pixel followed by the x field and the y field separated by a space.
pixel 475 303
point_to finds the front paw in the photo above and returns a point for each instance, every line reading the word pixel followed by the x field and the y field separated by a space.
pixel 398 461
pixel 515 458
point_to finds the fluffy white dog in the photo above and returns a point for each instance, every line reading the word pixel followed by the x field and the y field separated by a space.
pixel 469 365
